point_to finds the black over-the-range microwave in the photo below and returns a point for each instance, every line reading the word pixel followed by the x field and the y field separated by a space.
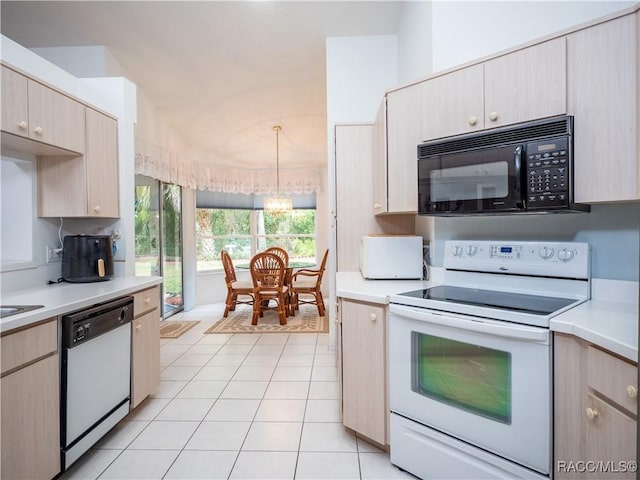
pixel 525 168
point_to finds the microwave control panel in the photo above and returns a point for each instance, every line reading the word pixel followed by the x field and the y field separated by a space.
pixel 547 164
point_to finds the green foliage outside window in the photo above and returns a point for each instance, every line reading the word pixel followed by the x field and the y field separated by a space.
pixel 218 229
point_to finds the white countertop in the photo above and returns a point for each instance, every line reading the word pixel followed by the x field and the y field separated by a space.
pixel 351 285
pixel 609 319
pixel 63 297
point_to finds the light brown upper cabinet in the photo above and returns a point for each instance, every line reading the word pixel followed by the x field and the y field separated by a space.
pixel 395 162
pixel 83 186
pixel 379 156
pixel 447 105
pixel 37 112
pixel 526 84
pixel 603 88
pixel 523 85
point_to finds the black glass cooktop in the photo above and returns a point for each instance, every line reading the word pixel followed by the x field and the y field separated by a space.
pixel 532 304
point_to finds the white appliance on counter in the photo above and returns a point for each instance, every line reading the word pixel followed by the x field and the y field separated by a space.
pixel 387 257
pixel 470 361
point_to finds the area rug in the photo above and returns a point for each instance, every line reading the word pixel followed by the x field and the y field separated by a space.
pixel 306 320
pixel 175 328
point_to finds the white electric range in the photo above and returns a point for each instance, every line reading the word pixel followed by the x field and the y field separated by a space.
pixel 470 360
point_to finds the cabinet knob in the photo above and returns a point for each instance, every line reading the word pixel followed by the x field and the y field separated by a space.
pixel 138 327
pixel 592 413
pixel 473 120
pixel 373 317
pixel 97 209
pixel 147 300
pixel 22 125
pixel 38 130
pixel 376 206
pixel 632 392
pixel 493 116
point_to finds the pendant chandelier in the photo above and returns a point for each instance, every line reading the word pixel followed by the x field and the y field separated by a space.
pixel 278 204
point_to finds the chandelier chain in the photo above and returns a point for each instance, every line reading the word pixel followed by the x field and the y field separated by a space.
pixel 277 128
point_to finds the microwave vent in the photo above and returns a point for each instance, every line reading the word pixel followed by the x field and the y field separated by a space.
pixel 524 132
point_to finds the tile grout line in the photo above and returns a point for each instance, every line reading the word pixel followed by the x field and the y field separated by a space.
pixel 205 415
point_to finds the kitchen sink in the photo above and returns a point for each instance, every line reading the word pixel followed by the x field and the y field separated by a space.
pixel 8 310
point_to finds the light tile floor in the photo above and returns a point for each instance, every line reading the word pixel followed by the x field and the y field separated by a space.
pixel 243 406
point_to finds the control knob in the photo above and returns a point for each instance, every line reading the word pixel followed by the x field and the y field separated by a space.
pixel 566 255
pixel 457 251
pixel 472 250
pixel 545 252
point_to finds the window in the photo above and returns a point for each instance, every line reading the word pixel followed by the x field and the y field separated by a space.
pixel 246 230
pixel 243 233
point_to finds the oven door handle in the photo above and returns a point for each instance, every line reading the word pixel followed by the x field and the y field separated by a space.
pixel 503 329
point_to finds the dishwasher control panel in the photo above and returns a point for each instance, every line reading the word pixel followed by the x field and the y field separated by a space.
pixel 83 325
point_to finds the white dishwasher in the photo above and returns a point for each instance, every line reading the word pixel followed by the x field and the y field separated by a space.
pixel 95 375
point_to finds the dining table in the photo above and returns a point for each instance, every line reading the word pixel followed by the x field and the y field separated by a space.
pixel 292 264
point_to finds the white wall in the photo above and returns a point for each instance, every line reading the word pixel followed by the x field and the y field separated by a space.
pixel 415 42
pixel 359 71
pixel 467 30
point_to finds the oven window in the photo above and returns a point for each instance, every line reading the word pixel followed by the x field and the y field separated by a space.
pixel 463 375
pixel 470 182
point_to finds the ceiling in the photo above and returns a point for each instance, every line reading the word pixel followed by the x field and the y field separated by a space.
pixel 221 73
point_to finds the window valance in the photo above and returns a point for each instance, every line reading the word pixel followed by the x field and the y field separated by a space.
pixel 157 162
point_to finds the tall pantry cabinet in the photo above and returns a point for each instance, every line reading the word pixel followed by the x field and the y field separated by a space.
pixel 362 326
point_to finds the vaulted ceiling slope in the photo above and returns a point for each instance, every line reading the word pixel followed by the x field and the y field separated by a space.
pixel 221 73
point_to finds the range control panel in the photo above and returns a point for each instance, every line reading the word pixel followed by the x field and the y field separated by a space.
pixel 557 259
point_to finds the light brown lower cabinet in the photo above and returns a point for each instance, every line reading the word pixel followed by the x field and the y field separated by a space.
pixel 145 345
pixel 364 378
pixel 595 412
pixel 30 406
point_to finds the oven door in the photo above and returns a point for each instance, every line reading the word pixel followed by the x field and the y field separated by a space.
pixel 482 381
pixel 487 180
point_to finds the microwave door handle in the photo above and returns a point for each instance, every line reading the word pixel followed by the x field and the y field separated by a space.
pixel 517 167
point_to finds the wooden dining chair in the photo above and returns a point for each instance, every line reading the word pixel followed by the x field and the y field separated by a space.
pixel 307 281
pixel 234 287
pixel 284 255
pixel 268 274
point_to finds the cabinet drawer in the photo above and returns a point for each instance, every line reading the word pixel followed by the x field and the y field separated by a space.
pixel 145 301
pixel 612 377
pixel 610 437
pixel 28 345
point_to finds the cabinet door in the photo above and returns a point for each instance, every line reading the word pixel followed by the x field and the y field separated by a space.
pixel 526 85
pixel 379 156
pixel 15 110
pixel 31 421
pixel 570 402
pixel 611 438
pixel 145 358
pixel 404 132
pixel 101 158
pixel 55 119
pixel 353 193
pixel 363 369
pixel 603 96
pixel 452 103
